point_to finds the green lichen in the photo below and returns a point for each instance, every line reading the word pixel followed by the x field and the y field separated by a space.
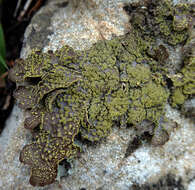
pixel 87 92
pixel 184 80
pixel 163 20
pixel 173 25
pixel 178 98
pixel 184 83
pixel 86 95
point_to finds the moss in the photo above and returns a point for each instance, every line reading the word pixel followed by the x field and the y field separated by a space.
pixel 86 92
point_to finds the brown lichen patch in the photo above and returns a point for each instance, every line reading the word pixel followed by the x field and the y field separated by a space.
pixel 33 120
pixel 25 97
pixel 47 151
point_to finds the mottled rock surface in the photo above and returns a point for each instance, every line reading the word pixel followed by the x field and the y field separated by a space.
pixel 106 165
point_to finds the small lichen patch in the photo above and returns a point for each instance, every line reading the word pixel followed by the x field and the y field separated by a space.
pixel 184 80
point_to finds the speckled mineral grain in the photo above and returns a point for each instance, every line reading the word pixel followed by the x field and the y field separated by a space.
pixel 114 163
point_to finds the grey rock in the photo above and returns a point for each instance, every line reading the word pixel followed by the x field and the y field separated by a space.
pixel 189 108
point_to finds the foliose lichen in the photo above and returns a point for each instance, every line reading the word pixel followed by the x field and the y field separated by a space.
pixel 86 92
pixel 184 80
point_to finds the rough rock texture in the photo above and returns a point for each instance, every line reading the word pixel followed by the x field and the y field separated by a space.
pixel 106 165
pixel 78 24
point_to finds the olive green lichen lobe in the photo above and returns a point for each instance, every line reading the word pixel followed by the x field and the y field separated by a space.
pixel 87 92
pixel 184 80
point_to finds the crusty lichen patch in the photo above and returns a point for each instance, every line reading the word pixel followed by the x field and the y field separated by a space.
pixel 184 84
pixel 86 92
pixel 168 22
pixel 184 80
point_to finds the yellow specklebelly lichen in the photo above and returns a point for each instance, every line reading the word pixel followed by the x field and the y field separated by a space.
pixel 86 92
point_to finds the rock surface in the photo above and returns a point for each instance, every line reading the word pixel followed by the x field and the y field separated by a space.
pixel 104 165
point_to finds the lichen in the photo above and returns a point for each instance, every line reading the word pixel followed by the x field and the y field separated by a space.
pixel 86 95
pixel 163 20
pixel 184 80
pixel 87 92
pixel 183 84
pixel 172 25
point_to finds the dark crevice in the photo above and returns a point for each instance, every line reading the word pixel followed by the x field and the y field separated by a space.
pixel 63 4
pixel 85 141
pixel 136 142
pixel 170 18
pixel 168 182
pixel 130 8
pixel 132 146
pixel 33 80
pixel 66 165
pixel 6 102
pixel 169 83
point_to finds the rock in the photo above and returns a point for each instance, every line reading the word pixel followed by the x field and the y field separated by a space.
pixel 105 165
pixel 79 27
pixel 165 182
pixel 189 108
